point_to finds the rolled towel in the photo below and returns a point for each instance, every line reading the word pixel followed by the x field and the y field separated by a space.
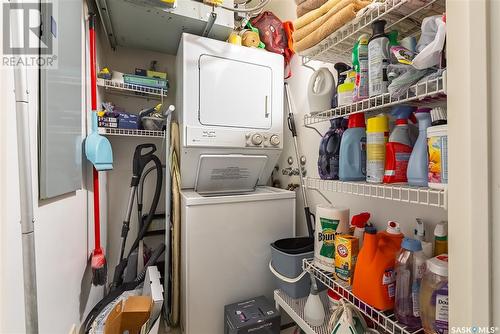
pixel 314 14
pixel 308 5
pixel 309 28
pixel 345 15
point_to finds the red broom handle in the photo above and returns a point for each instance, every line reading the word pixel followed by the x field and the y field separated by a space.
pixel 97 213
pixel 93 85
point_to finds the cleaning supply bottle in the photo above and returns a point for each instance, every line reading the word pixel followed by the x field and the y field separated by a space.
pixel 314 312
pixel 345 91
pixel 434 295
pixel 378 59
pixel 374 278
pixel 377 133
pixel 419 159
pixel 329 150
pixel 393 42
pixel 440 239
pixel 419 234
pixel 341 68
pixel 352 163
pixel 320 90
pixel 359 222
pixel 398 148
pixel 360 65
pixel 410 267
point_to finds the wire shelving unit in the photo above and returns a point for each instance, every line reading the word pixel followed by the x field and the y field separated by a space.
pixel 130 132
pixel 119 87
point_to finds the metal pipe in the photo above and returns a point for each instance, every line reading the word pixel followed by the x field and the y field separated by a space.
pixel 25 181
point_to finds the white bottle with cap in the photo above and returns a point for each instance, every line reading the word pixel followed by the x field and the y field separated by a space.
pixel 419 233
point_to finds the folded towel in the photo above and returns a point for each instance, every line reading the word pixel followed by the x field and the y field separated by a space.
pixel 336 21
pixel 309 28
pixel 314 14
pixel 307 5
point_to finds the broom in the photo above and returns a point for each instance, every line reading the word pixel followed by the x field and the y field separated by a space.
pixel 98 261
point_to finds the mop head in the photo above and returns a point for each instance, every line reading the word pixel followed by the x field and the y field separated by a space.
pixel 99 267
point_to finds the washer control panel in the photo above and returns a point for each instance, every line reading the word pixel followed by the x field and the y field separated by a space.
pixel 262 139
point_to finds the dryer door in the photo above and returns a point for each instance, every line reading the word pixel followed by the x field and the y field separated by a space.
pixel 234 93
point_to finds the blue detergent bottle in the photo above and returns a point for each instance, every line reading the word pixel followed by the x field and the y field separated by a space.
pixel 419 159
pixel 352 164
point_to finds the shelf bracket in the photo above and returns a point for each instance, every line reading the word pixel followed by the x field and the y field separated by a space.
pixel 102 8
pixel 313 128
pixel 210 24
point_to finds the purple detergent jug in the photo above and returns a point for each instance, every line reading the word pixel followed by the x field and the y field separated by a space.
pixel 329 149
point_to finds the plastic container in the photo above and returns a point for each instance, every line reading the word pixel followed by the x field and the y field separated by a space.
pixel 440 239
pixel 345 91
pixel 437 143
pixel 377 133
pixel 410 267
pixel 329 150
pixel 341 69
pixel 320 90
pixel 333 299
pixel 399 147
pixel 434 295
pixel 286 262
pixel 378 59
pixel 419 159
pixel 374 278
pixel 360 65
pixel 352 164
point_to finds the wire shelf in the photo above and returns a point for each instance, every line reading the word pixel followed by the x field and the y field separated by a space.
pixel 385 321
pixel 405 16
pixel 131 132
pixel 295 309
pixel 429 94
pixel 395 192
pixel 122 88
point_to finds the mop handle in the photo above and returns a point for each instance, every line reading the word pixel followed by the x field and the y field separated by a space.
pixel 97 213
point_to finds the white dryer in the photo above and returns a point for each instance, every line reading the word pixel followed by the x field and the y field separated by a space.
pixel 230 113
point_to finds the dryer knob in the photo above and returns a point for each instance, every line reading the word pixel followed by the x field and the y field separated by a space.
pixel 257 139
pixel 274 140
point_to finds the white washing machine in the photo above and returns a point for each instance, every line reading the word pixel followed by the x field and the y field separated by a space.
pixel 230 113
pixel 225 251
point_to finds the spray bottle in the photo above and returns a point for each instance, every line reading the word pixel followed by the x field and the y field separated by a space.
pixel 398 148
pixel 419 160
pixel 359 222
pixel 314 312
pixel 419 233
pixel 378 59
pixel 360 65
pixel 342 69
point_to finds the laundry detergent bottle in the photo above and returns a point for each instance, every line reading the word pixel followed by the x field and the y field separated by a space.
pixel 352 163
pixel 329 150
pixel 378 59
pixel 398 148
pixel 419 159
pixel 374 277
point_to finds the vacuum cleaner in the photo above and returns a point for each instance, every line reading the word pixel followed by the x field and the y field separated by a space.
pixel 125 276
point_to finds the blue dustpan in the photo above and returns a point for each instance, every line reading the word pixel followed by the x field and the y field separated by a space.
pixel 98 148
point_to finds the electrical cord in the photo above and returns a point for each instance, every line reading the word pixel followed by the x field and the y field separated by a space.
pixel 257 8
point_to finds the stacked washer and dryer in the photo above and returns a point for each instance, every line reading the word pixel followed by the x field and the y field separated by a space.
pixel 230 114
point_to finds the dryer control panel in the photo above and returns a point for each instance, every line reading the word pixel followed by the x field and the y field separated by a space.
pixel 262 139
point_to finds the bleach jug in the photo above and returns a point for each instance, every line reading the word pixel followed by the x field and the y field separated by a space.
pixel 352 163
pixel 329 150
pixel 320 90
pixel 374 277
pixel 410 267
pixel 419 159
pixel 398 148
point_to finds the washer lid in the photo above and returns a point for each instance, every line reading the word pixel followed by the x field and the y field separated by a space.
pixel 228 173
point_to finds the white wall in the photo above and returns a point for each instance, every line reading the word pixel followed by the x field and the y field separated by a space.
pixel 381 210
pixel 61 237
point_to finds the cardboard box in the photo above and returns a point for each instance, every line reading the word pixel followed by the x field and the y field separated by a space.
pixel 346 254
pixel 129 315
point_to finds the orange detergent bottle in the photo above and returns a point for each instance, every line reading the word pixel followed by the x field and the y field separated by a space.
pixel 374 277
